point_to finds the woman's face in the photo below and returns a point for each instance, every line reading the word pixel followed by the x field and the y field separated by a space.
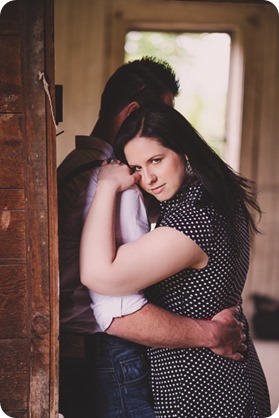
pixel 162 170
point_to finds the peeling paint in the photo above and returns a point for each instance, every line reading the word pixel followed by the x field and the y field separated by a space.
pixel 5 220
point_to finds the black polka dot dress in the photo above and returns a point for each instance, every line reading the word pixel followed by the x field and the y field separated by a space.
pixel 196 382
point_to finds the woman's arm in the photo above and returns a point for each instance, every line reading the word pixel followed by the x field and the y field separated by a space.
pixel 135 265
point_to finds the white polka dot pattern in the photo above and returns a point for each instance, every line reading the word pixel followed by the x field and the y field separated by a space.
pixel 196 383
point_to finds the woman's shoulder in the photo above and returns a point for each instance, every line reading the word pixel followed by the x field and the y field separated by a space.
pixel 187 213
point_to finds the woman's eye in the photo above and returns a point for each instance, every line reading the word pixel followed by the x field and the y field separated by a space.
pixel 156 160
pixel 135 169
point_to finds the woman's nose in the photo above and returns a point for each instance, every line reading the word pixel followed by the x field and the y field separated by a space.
pixel 149 177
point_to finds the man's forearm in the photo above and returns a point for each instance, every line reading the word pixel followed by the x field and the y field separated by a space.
pixel 154 326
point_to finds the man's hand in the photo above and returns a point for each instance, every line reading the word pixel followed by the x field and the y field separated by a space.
pixel 157 327
pixel 230 337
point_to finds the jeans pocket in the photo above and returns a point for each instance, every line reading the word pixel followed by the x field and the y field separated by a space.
pixel 134 369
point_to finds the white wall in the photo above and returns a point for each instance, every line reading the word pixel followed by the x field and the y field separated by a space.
pixel 79 58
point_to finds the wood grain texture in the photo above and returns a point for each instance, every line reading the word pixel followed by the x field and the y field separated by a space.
pixel 14 374
pixel 13 302
pixel 27 209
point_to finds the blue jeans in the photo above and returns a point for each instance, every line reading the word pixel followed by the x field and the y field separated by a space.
pixel 120 378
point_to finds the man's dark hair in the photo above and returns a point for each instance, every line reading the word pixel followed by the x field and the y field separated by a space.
pixel 144 80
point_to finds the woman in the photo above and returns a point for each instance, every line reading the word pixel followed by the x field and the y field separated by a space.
pixel 193 263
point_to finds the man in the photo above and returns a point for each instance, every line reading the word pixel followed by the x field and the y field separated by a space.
pixel 118 367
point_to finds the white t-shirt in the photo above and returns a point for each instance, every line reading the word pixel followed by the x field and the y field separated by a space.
pixel 76 302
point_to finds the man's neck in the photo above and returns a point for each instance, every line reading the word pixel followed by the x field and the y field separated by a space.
pixel 104 130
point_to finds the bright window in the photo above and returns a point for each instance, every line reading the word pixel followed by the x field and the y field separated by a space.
pixel 201 62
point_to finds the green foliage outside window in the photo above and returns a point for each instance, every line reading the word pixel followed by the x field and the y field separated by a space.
pixel 201 62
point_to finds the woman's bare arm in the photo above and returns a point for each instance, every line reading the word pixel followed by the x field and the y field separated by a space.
pixel 135 265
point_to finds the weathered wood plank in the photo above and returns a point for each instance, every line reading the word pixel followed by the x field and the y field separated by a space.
pixel 13 301
pixel 10 71
pixel 36 147
pixel 9 19
pixel 16 414
pixel 11 152
pixel 11 199
pixel 24 212
pixel 12 235
pixel 14 374
pixel 52 219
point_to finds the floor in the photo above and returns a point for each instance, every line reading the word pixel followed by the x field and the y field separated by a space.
pixel 268 352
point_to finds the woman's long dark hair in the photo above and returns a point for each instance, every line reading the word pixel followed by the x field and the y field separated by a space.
pixel 225 187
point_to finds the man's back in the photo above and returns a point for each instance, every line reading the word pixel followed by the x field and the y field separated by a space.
pixel 75 197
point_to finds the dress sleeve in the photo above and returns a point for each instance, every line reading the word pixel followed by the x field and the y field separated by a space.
pixel 193 221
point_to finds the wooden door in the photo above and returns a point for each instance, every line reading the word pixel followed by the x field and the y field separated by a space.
pixel 28 217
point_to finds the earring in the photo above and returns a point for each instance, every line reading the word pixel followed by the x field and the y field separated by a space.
pixel 188 167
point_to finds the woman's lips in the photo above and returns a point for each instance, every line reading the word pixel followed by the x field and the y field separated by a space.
pixel 158 189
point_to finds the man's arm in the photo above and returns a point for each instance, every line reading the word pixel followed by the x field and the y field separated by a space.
pixel 154 326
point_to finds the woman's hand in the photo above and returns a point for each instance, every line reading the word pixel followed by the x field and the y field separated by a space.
pixel 118 175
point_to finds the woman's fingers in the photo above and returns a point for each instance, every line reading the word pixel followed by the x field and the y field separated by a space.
pixel 117 174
